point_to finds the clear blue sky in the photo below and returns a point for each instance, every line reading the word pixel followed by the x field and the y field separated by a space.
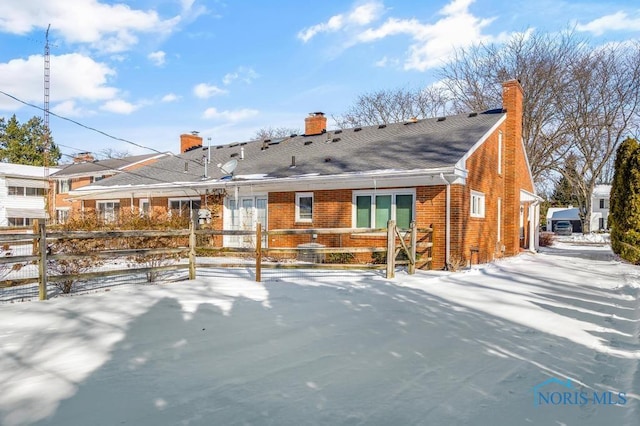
pixel 149 70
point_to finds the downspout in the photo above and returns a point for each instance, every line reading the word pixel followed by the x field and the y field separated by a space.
pixel 534 225
pixel 447 230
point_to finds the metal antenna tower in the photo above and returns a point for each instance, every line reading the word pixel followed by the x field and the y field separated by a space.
pixel 45 152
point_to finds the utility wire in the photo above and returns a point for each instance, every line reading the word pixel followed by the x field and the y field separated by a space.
pixel 91 128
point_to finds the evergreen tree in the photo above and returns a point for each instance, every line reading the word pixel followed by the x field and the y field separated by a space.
pixel 624 212
pixel 25 143
pixel 565 193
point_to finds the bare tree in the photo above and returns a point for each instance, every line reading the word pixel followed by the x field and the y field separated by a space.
pixel 540 61
pixel 604 101
pixel 275 132
pixel 112 153
pixel 394 106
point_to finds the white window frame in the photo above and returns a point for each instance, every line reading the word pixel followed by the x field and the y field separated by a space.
pixel 101 210
pixel 64 186
pixel 500 141
pixel 141 203
pixel 182 201
pixel 300 195
pixel 373 194
pixel 477 207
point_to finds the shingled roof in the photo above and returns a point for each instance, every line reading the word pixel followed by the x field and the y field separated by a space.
pixel 415 145
pixel 97 167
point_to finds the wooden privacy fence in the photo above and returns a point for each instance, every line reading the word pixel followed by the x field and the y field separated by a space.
pixel 412 247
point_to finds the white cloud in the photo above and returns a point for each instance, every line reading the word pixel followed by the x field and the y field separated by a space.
pixel 158 58
pixel 386 62
pixel 358 17
pixel 68 109
pixel 170 97
pixel 618 21
pixel 106 27
pixel 74 77
pixel 119 106
pixel 234 115
pixel 432 43
pixel 244 74
pixel 204 90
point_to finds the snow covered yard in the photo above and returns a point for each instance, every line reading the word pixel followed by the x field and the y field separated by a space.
pixel 490 346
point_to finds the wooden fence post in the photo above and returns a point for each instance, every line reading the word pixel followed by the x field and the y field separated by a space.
pixel 412 248
pixel 192 250
pixel 42 262
pixel 391 249
pixel 258 252
pixel 35 251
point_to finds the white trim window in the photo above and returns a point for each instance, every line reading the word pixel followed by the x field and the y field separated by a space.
pixel 304 207
pixel 144 206
pixel 373 209
pixel 477 204
pixel 182 206
pixel 108 210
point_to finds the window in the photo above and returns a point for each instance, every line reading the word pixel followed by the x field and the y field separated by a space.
pixel 500 152
pixel 96 178
pixel 20 221
pixel 34 192
pixel 16 190
pixel 62 215
pixel 604 203
pixel 304 206
pixel 375 210
pixel 477 204
pixel 108 210
pixel 28 191
pixel 144 207
pixel 64 186
pixel 183 206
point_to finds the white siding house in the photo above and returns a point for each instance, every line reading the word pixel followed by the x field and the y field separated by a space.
pixel 600 207
pixel 22 194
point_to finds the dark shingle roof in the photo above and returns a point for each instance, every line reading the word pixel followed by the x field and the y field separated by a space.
pixel 101 166
pixel 425 144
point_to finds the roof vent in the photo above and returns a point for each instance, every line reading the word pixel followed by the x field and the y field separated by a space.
pixel 234 145
pixel 357 129
pixel 441 118
pixel 382 126
pixel 327 159
pixel 235 154
pixel 335 140
pixel 267 140
pixel 337 132
pixel 293 135
pixel 308 142
pixel 219 147
pixel 473 114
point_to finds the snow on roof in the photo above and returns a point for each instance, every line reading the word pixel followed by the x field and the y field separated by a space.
pixel 602 191
pixel 555 213
pixel 21 170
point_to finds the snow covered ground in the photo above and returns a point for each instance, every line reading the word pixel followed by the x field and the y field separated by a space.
pixel 490 346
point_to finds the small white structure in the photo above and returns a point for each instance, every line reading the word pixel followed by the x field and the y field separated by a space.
pixel 600 207
pixel 22 194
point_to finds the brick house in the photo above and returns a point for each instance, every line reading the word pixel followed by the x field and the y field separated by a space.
pixel 466 174
pixel 84 171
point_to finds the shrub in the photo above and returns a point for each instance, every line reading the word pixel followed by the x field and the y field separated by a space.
pixel 340 258
pixel 546 239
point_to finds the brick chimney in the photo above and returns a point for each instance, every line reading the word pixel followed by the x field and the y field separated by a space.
pixel 189 141
pixel 83 157
pixel 315 124
pixel 514 165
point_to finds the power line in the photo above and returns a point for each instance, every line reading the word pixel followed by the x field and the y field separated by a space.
pixel 92 128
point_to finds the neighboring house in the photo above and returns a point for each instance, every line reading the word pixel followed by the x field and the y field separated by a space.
pixel 467 175
pixel 23 192
pixel 86 170
pixel 599 212
pixel 600 207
